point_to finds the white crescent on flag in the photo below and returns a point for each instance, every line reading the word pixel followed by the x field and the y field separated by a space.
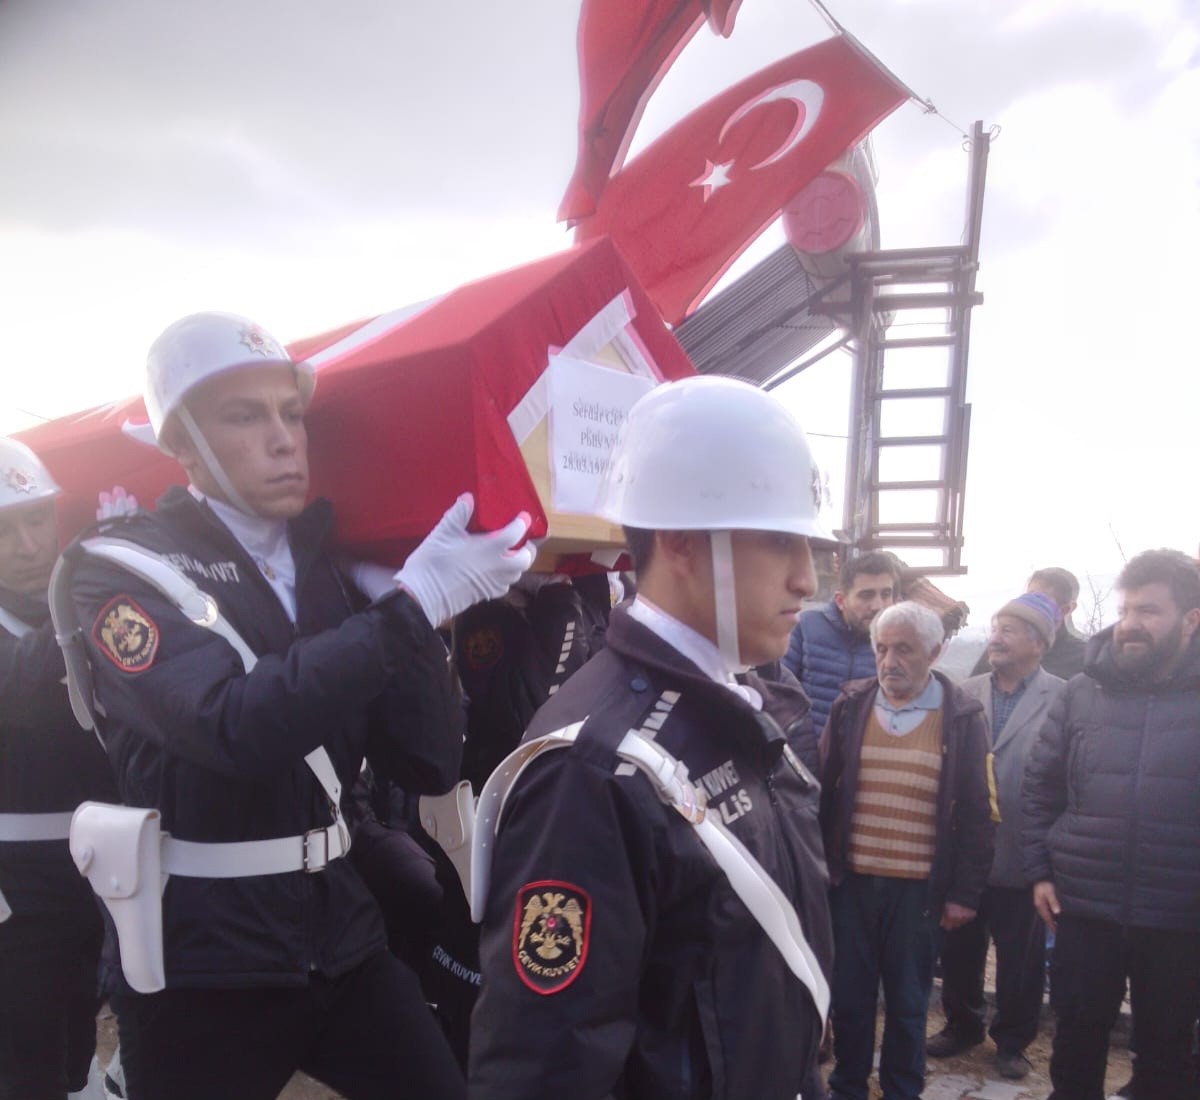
pixel 805 95
pixel 140 432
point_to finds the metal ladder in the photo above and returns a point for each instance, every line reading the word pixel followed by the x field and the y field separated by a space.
pixel 909 316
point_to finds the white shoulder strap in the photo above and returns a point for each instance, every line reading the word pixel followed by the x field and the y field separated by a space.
pixel 193 603
pixel 750 881
pixel 12 624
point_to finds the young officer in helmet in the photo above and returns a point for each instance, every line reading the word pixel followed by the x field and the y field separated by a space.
pixel 50 930
pixel 273 950
pixel 618 955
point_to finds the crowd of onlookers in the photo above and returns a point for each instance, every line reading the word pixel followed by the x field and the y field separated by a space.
pixel 1092 785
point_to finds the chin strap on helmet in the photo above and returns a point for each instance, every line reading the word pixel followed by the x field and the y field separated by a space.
pixel 725 598
pixel 210 460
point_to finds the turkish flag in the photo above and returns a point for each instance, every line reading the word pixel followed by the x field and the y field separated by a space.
pixel 624 50
pixel 688 205
pixel 411 408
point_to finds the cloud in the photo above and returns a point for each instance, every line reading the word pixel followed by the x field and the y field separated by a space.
pixel 211 116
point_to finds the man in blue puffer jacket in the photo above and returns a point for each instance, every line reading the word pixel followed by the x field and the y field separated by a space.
pixel 832 644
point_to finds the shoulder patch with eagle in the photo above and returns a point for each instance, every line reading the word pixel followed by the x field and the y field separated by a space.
pixel 126 635
pixel 551 928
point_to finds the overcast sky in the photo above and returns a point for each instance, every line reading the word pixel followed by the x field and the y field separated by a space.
pixel 309 163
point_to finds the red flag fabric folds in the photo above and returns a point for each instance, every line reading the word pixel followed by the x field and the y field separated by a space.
pixel 410 409
pixel 624 50
pixel 686 207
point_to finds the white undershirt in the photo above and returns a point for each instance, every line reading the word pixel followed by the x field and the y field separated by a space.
pixel 266 541
pixel 692 645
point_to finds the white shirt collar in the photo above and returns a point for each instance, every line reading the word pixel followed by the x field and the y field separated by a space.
pixel 692 645
pixel 266 541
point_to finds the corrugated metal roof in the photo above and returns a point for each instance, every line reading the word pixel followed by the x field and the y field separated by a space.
pixel 759 325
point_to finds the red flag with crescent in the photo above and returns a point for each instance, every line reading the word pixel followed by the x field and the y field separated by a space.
pixel 624 51
pixel 690 203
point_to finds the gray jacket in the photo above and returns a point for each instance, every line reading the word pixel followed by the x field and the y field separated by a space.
pixel 1010 753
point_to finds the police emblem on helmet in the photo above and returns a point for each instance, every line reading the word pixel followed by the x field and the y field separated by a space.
pixel 19 481
pixel 260 343
pixel 551 927
pixel 818 489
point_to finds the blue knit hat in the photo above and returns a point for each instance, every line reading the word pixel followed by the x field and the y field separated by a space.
pixel 1038 610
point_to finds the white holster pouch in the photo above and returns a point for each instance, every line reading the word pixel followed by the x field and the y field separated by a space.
pixel 749 880
pixel 121 849
pixel 450 820
pixel 117 849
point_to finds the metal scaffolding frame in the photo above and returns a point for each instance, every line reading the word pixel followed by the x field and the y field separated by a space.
pixel 887 506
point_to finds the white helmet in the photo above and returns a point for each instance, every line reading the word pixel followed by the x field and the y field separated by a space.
pixel 712 454
pixel 203 345
pixel 23 477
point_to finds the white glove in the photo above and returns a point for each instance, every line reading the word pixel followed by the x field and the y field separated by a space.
pixel 452 570
pixel 115 504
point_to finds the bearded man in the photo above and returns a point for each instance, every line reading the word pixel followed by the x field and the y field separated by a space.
pixel 1112 836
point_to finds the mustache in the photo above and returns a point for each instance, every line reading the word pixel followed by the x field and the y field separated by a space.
pixel 1133 636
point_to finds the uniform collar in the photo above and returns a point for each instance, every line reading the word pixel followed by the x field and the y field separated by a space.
pixel 692 645
pixel 265 542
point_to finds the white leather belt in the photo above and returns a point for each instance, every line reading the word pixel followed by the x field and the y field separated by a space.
pixel 23 827
pixel 756 889
pixel 244 858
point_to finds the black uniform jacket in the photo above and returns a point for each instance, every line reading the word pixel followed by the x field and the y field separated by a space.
pixel 967 812
pixel 616 959
pixel 48 764
pixel 221 752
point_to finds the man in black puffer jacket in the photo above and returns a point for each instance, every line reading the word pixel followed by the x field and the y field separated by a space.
pixel 1112 845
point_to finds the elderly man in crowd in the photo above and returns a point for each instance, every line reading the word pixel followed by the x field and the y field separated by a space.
pixel 908 814
pixel 1015 695
pixel 1064 658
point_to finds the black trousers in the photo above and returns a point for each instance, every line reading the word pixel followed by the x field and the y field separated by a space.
pixel 48 1003
pixel 1008 916
pixel 1092 960
pixel 368 1034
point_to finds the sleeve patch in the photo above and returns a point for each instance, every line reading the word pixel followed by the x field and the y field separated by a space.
pixel 126 635
pixel 483 648
pixel 551 930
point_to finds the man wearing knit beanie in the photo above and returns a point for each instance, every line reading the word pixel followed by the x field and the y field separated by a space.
pixel 1016 694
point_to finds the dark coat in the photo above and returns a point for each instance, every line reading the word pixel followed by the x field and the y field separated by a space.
pixel 680 994
pixel 220 752
pixel 966 798
pixel 48 764
pixel 823 654
pixel 1112 795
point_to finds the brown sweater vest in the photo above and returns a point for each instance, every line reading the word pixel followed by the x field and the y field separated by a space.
pixel 894 825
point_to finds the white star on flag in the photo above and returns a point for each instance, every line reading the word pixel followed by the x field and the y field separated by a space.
pixel 713 178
